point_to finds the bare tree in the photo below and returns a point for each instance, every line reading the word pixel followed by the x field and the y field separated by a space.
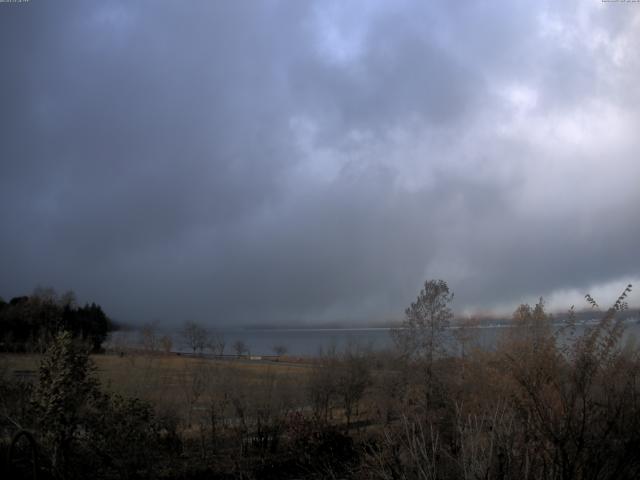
pixel 193 382
pixel 464 333
pixel 353 377
pixel 240 348
pixel 422 335
pixel 149 337
pixel 216 415
pixel 322 385
pixel 216 343
pixel 195 336
pixel 166 343
pixel 280 350
pixel 412 450
pixel 578 402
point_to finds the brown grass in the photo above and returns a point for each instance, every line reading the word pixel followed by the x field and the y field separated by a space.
pixel 160 379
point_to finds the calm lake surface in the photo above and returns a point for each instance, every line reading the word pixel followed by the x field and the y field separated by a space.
pixel 309 342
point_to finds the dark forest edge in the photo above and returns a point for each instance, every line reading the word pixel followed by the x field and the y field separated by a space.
pixel 533 408
pixel 29 323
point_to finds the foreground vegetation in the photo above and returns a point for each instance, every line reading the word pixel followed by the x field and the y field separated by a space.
pixel 545 404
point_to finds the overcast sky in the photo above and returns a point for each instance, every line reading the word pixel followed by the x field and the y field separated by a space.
pixel 292 161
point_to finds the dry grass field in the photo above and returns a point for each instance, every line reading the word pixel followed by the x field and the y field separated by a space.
pixel 173 381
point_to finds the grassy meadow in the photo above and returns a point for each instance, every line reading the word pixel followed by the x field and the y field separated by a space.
pixel 171 381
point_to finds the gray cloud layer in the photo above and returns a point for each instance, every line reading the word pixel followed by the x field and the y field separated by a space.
pixel 289 161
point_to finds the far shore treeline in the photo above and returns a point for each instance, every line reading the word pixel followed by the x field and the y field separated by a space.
pixel 28 323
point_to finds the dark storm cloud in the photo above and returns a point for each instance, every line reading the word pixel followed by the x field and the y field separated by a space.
pixel 289 161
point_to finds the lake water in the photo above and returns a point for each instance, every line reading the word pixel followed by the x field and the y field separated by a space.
pixel 309 342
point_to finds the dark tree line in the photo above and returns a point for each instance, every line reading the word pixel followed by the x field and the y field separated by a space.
pixel 28 323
